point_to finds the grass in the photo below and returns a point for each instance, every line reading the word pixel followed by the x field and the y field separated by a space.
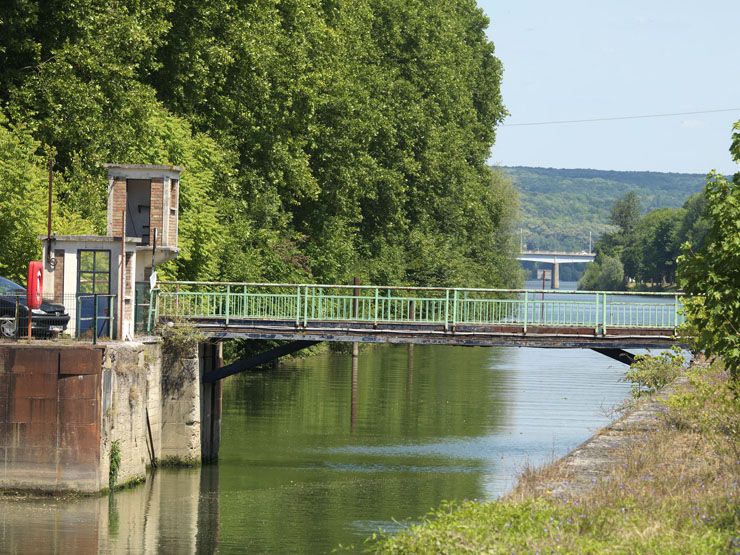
pixel 178 462
pixel 671 489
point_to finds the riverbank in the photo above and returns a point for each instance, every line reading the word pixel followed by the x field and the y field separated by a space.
pixel 662 479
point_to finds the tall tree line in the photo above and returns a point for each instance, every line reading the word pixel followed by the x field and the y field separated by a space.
pixel 321 139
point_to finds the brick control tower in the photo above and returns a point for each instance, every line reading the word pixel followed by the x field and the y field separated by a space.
pixel 109 274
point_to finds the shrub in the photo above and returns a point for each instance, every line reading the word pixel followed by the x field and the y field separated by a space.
pixel 710 406
pixel 650 373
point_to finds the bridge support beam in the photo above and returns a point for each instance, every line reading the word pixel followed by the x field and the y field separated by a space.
pixel 620 355
pixel 556 275
pixel 256 360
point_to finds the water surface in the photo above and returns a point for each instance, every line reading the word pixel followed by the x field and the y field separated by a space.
pixel 324 451
pixel 320 452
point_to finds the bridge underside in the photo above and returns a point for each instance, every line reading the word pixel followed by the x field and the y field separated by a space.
pixel 566 337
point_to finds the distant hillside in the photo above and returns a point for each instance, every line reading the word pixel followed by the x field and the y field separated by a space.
pixel 560 206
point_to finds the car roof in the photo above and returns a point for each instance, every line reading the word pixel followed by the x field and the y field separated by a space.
pixel 5 283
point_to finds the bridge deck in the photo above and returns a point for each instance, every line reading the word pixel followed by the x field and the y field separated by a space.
pixel 422 315
pixel 361 332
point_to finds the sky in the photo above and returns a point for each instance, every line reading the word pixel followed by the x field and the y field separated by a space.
pixel 584 59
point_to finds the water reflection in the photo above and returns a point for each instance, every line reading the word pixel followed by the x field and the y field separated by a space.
pixel 174 511
pixel 334 448
pixel 324 451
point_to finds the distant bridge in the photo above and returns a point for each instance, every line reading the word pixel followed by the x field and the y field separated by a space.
pixel 304 314
pixel 556 259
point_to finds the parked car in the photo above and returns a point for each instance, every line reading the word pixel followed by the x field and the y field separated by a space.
pixel 50 319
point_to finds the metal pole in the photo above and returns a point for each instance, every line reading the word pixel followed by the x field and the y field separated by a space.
pixel 122 284
pixel 154 248
pixel 152 296
pixel 603 326
pixel 95 318
pixel 17 316
pixel 377 295
pixel 355 310
pixel 297 306
pixel 228 303
pixel 525 312
pixel 675 311
pixel 542 311
pixel 305 306
pixel 454 309
pixel 49 258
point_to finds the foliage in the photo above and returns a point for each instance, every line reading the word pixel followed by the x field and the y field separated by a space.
pixel 625 213
pixel 647 246
pixel 604 274
pixel 546 526
pixel 115 464
pixel 180 341
pixel 651 373
pixel 22 199
pixel 320 140
pixel 710 406
pixel 711 274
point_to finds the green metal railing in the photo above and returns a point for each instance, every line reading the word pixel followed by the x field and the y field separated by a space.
pixel 448 307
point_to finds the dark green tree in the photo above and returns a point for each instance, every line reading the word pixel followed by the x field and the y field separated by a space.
pixel 710 275
pixel 626 213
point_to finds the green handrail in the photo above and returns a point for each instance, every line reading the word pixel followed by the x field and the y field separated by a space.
pixel 449 307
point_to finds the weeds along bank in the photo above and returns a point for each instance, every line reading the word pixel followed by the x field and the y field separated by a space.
pixel 670 485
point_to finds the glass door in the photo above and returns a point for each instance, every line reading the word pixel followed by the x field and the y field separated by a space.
pixel 94 301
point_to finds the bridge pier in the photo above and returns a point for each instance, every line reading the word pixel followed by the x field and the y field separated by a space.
pixel 556 275
pixel 211 396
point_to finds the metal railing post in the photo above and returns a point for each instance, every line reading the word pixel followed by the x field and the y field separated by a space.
pixel 377 302
pixel 525 312
pixel 297 306
pixel 454 309
pixel 228 303
pixel 17 316
pixel 305 306
pixel 596 315
pixel 447 309
pixel 675 312
pixel 603 325
pixel 153 298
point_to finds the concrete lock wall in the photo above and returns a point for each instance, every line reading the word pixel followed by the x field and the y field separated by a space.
pixel 64 407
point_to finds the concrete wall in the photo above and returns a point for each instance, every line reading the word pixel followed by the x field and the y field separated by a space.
pixel 62 408
pixel 131 382
pixel 181 405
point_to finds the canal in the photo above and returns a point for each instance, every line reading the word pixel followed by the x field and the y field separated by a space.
pixel 321 452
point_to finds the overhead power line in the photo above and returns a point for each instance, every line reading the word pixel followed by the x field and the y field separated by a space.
pixel 616 118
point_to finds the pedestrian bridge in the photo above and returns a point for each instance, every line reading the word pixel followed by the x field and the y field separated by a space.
pixel 425 315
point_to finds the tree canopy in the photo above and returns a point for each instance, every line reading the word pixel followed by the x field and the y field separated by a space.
pixel 320 139
pixel 711 274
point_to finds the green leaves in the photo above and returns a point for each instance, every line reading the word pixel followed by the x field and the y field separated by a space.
pixel 320 140
pixel 712 272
